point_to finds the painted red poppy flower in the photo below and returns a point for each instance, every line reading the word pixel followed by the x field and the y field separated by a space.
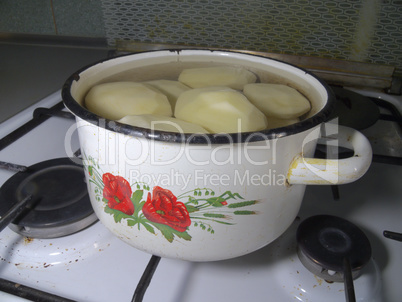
pixel 164 208
pixel 117 191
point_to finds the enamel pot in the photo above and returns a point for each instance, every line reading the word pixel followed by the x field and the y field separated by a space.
pixel 205 197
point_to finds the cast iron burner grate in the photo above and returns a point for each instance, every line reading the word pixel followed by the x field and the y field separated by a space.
pixel 379 120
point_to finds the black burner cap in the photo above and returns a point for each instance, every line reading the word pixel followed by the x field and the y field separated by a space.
pixel 327 240
pixel 61 203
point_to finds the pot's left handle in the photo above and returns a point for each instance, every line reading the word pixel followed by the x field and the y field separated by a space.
pixel 334 171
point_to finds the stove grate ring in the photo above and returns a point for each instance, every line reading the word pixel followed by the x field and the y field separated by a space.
pixel 61 203
pixel 324 242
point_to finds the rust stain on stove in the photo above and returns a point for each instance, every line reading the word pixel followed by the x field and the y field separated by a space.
pixel 28 240
pixel 319 280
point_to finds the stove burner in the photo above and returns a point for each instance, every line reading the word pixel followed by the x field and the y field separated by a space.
pixel 324 242
pixel 60 204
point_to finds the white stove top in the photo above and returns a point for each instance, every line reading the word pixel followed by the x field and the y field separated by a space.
pixel 93 265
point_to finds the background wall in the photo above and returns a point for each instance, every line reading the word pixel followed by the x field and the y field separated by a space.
pixel 82 18
pixel 360 30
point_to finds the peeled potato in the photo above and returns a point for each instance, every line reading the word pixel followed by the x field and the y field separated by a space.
pixel 162 123
pixel 219 110
pixel 172 89
pixel 277 100
pixel 233 77
pixel 118 99
pixel 277 123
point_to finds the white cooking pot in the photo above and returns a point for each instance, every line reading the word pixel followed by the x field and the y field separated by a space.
pixel 205 197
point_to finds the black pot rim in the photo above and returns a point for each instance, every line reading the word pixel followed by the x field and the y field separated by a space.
pixel 221 138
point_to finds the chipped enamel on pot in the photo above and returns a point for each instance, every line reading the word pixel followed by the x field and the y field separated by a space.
pixel 211 197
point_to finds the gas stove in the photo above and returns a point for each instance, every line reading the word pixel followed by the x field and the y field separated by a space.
pixel 93 265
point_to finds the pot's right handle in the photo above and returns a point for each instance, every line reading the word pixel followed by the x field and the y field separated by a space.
pixel 334 171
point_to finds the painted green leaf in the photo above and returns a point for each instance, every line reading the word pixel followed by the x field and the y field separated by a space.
pixel 141 204
pixel 149 227
pixel 137 196
pixel 166 232
pixel 216 201
pixel 193 200
pixel 242 204
pixel 136 200
pixel 215 215
pixel 231 195
pixel 109 210
pixel 210 219
pixel 184 235
pixel 244 212
pixel 117 215
pixel 131 222
pixel 169 232
pixel 191 209
pixel 223 222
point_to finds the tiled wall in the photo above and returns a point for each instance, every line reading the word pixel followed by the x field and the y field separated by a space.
pixel 82 18
pixel 355 30
pixel 360 30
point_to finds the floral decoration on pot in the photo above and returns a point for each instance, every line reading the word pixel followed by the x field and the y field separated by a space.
pixel 160 209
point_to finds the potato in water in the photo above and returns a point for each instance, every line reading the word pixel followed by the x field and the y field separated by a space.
pixel 277 100
pixel 162 123
pixel 219 110
pixel 118 99
pixel 172 89
pixel 233 77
